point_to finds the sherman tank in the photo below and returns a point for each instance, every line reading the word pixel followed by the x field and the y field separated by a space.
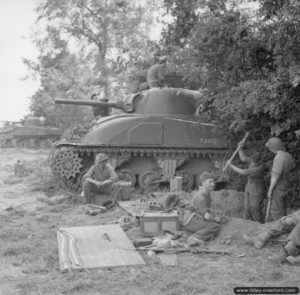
pixel 160 134
pixel 31 134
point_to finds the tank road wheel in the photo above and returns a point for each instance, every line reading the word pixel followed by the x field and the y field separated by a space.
pixel 23 143
pixel 42 143
pixel 65 164
pixel 147 181
pixel 46 143
pixel 127 175
pixel 8 143
pixel 187 179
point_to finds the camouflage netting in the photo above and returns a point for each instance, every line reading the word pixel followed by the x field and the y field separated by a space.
pixel 75 132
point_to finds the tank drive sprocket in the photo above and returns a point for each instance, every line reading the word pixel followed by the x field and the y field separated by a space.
pixel 66 164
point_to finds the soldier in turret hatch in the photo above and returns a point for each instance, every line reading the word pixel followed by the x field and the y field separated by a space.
pixel 155 76
pixel 156 73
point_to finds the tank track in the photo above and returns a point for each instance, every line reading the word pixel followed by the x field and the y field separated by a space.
pixel 87 154
pixel 160 152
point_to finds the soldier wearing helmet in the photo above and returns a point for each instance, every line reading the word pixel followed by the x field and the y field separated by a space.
pixel 279 187
pixel 100 180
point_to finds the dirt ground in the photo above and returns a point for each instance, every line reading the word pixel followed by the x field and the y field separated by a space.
pixel 34 206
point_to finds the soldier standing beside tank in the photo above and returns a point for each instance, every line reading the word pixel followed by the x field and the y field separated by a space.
pixel 279 187
pixel 100 180
pixel 255 187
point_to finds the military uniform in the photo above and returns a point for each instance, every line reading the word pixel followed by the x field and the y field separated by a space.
pixel 283 163
pixel 193 217
pixel 254 193
pixel 291 224
pixel 287 224
pixel 108 191
pixel 155 76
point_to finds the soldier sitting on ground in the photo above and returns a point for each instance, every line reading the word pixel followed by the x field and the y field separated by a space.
pixel 197 217
pixel 100 181
pixel 291 224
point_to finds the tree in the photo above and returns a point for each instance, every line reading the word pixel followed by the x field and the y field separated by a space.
pixel 184 17
pixel 107 32
pixel 86 47
pixel 248 65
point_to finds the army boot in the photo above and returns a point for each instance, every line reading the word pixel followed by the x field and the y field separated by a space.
pixel 259 241
pixel 291 248
pixel 193 241
pixel 293 260
pixel 279 258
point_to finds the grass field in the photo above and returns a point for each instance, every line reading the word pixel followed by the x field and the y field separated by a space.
pixel 34 206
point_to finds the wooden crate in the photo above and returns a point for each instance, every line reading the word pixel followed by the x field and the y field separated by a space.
pixel 176 184
pixel 124 194
pixel 154 223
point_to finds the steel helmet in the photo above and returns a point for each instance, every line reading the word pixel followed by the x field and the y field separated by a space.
pixel 275 144
pixel 101 157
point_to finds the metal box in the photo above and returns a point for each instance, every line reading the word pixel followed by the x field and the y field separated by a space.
pixel 153 223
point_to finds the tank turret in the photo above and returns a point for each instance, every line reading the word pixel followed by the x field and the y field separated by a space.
pixel 159 135
pixel 155 101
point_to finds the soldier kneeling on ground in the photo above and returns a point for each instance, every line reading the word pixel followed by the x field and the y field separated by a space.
pixel 100 181
pixel 290 253
pixel 197 217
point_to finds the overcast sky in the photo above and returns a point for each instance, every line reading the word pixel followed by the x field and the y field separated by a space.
pixel 16 20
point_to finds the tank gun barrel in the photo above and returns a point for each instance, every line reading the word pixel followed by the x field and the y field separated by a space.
pixel 117 105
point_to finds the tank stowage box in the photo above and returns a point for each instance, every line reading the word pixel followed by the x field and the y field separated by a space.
pixel 154 223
